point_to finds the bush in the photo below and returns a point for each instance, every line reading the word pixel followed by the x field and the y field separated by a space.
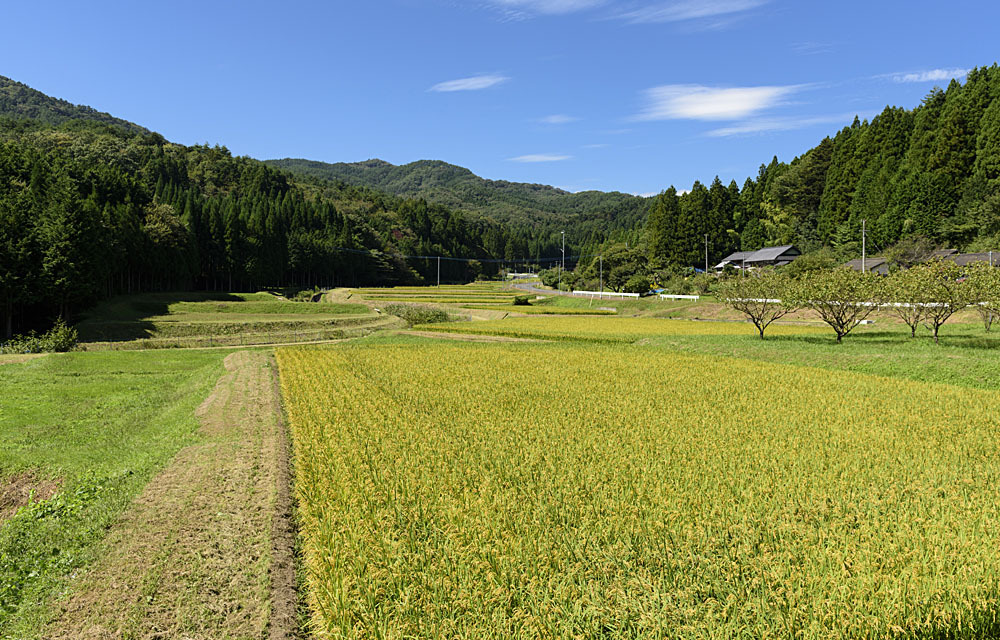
pixel 57 339
pixel 522 300
pixel 637 284
pixel 417 314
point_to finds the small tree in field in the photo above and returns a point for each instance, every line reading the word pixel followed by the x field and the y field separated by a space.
pixel 943 292
pixel 983 281
pixel 842 297
pixel 759 295
pixel 903 291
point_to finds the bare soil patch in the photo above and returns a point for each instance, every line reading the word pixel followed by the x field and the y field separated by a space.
pixel 22 489
pixel 14 358
pixel 195 556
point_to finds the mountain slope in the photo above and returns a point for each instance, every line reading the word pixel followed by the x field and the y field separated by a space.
pixel 459 188
pixel 20 101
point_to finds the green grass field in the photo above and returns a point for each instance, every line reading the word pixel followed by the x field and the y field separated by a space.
pixel 96 426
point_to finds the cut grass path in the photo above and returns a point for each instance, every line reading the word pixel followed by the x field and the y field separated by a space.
pixel 205 551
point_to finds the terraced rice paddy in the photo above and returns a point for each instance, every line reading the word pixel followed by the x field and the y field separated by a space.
pixel 487 293
pixel 621 330
pixel 586 490
pixel 209 319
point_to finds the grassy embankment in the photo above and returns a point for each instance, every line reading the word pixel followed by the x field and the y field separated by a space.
pixel 92 428
pixel 171 320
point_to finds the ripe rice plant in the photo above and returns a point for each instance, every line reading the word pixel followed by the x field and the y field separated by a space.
pixel 638 494
pixel 619 330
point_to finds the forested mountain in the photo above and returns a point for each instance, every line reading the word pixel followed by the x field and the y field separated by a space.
pixel 91 206
pixel 514 203
pixel 932 172
pixel 21 101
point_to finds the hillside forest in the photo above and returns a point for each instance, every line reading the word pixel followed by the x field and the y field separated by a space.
pixel 92 206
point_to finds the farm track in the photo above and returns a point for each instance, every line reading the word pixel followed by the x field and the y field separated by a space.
pixel 206 551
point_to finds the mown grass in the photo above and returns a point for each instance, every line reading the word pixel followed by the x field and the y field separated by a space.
pixel 641 493
pixel 102 425
pixel 966 355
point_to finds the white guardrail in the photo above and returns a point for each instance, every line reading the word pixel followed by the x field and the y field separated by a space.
pixel 608 294
pixel 677 296
pixel 861 304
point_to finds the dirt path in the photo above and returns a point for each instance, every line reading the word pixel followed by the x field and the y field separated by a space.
pixel 206 551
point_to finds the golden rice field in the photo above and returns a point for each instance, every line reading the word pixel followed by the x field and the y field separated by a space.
pixel 611 329
pixel 580 490
pixel 543 310
pixel 488 294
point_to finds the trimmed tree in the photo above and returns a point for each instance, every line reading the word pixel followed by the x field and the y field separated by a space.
pixel 760 296
pixel 905 297
pixel 983 281
pixel 843 297
pixel 943 292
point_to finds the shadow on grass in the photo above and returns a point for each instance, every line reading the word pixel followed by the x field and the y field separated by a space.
pixel 894 338
pixel 123 317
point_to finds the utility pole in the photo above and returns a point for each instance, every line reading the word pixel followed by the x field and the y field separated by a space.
pixel 706 253
pixel 601 297
pixel 439 271
pixel 563 257
pixel 862 246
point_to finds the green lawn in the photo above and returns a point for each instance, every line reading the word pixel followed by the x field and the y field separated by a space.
pixel 101 425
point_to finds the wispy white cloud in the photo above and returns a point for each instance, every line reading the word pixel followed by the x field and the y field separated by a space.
pixel 549 7
pixel 558 118
pixel 697 102
pixel 682 10
pixel 810 48
pixel 474 83
pixel 540 157
pixel 647 194
pixel 600 145
pixel 930 75
pixel 766 125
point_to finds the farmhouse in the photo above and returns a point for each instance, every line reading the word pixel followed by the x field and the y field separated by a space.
pixel 965 259
pixel 734 260
pixel 766 257
pixel 874 264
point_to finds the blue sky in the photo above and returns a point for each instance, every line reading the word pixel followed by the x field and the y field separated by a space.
pixel 631 95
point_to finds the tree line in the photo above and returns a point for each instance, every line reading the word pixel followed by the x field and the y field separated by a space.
pixel 932 171
pixel 91 209
pixel 929 293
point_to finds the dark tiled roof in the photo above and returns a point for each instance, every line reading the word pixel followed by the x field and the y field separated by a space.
pixel 963 259
pixel 942 253
pixel 870 263
pixel 736 257
pixel 768 254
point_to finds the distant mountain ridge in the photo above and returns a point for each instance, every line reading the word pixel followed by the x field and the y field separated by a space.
pixel 19 101
pixel 459 188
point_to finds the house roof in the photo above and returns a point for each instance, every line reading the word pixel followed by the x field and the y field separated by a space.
pixel 871 263
pixel 767 254
pixel 739 256
pixel 943 253
pixel 964 259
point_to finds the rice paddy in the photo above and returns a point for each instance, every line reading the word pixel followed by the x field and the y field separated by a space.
pixel 639 493
pixel 621 330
